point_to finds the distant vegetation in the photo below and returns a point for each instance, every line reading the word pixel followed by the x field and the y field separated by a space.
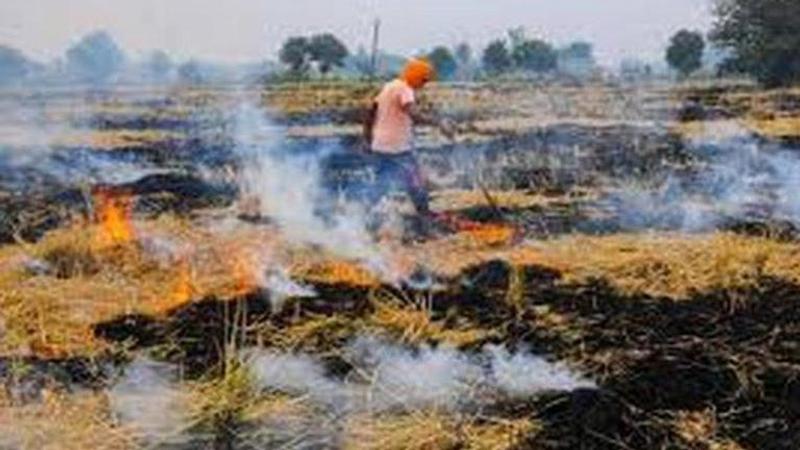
pixel 757 38
pixel 685 52
pixel 14 66
pixel 763 37
pixel 322 51
pixel 95 58
pixel 445 63
pixel 536 56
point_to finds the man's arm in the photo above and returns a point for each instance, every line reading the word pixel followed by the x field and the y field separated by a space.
pixel 419 116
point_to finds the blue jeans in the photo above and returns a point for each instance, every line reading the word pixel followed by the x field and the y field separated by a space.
pixel 400 172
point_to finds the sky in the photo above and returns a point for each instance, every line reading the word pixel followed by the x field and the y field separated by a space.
pixel 249 30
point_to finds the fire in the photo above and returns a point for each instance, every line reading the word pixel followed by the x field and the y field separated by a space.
pixel 335 272
pixel 243 280
pixel 479 233
pixel 491 235
pixel 183 288
pixel 113 213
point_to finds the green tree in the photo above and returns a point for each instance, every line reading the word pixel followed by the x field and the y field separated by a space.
pixel 327 51
pixel 685 52
pixel 96 57
pixel 496 58
pixel 763 37
pixel 14 66
pixel 535 56
pixel 295 53
pixel 444 62
pixel 579 50
pixel 159 65
pixel 517 36
pixel 577 59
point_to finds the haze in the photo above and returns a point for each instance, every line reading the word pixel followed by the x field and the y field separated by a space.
pixel 248 30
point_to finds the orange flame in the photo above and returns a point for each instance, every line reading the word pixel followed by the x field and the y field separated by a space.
pixel 335 272
pixel 490 234
pixel 243 278
pixel 113 213
pixel 183 288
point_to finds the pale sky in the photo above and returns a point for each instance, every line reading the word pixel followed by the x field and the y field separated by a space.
pixel 248 30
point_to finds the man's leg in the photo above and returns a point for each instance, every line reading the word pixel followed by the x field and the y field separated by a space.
pixel 414 185
pixel 385 170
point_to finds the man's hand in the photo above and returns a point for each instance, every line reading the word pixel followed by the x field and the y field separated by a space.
pixel 445 126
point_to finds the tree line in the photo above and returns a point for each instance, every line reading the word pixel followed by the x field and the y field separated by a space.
pixel 97 59
pixel 325 52
pixel 758 38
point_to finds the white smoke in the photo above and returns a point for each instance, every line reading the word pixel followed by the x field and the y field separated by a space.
pixel 288 190
pixel 388 377
pixel 520 375
pixel 36 142
pixel 149 402
pixel 399 378
pixel 738 177
pixel 282 287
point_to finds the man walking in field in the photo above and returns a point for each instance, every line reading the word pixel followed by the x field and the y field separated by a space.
pixel 389 130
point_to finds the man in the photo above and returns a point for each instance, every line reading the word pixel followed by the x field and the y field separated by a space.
pixel 388 131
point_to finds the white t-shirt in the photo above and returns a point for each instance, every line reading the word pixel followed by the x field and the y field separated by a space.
pixel 392 131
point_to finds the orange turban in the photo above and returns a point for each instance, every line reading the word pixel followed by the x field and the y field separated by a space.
pixel 417 72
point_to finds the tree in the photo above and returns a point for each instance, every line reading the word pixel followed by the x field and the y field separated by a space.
pixel 685 52
pixel 444 62
pixel 762 36
pixel 14 66
pixel 535 55
pixel 327 51
pixel 95 58
pixel 191 72
pixel 295 54
pixel 517 36
pixel 576 59
pixel 579 50
pixel 159 65
pixel 496 58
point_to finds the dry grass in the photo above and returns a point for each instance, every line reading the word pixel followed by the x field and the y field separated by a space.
pixel 454 200
pixel 775 128
pixel 671 265
pixel 700 428
pixel 419 431
pixel 114 139
pixel 498 434
pixel 61 421
pixel 53 313
pixel 316 333
pixel 331 271
pixel 430 430
pixel 410 322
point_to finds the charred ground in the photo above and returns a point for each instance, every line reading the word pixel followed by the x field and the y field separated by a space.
pixel 687 327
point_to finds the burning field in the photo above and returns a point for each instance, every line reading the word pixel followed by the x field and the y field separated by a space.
pixel 193 268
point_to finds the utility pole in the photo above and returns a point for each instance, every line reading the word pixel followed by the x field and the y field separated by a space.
pixel 375 39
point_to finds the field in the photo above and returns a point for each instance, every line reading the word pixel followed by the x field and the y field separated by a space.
pixel 614 267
